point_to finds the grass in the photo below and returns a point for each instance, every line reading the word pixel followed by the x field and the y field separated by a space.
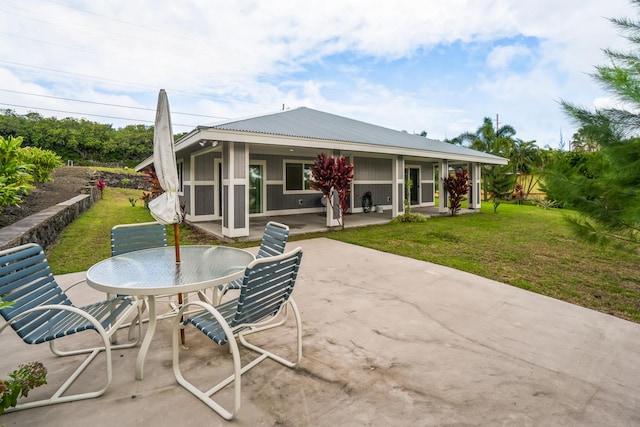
pixel 86 240
pixel 524 246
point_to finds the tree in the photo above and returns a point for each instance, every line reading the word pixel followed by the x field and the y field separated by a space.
pixel 525 159
pixel 499 181
pixel 582 143
pixel 605 189
pixel 489 140
pixel 330 173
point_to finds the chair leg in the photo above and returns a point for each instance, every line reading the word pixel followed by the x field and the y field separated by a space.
pixel 235 378
pixel 57 396
pixel 242 336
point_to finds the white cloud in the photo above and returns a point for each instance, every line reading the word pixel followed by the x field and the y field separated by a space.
pixel 245 57
pixel 503 56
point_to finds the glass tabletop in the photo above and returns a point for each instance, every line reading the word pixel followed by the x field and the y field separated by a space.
pixel 154 271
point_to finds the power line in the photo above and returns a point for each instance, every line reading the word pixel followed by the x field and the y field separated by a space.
pixel 163 31
pixel 92 115
pixel 109 105
pixel 118 82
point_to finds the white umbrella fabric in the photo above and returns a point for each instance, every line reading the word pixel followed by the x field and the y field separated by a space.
pixel 166 207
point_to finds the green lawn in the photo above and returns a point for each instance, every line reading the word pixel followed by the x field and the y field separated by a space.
pixel 524 246
pixel 86 240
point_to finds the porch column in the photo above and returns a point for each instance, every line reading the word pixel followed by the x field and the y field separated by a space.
pixel 475 190
pixel 235 189
pixel 334 211
pixel 397 187
pixel 443 200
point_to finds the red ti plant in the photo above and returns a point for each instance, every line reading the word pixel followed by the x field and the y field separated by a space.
pixel 100 185
pixel 457 185
pixel 330 172
pixel 518 193
pixel 152 179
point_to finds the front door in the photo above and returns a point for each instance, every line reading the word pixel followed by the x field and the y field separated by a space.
pixel 412 185
pixel 256 196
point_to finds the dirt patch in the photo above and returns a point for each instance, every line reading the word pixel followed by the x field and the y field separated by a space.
pixel 67 183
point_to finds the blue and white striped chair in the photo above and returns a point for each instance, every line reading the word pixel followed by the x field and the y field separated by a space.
pixel 263 303
pixel 43 313
pixel 274 240
pixel 127 238
pixel 135 237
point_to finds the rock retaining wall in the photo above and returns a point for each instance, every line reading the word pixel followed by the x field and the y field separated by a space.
pixel 44 227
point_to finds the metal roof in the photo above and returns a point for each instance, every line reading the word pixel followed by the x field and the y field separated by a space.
pixel 305 122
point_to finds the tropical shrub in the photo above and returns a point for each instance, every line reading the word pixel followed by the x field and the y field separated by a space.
pixel 457 185
pixel 410 217
pixel 43 161
pixel 15 174
pixel 329 172
pixel 101 185
pixel 27 377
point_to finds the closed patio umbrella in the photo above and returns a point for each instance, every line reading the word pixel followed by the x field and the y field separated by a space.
pixel 166 207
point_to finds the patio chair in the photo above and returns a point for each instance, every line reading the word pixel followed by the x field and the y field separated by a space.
pixel 274 240
pixel 263 303
pixel 43 313
pixel 134 237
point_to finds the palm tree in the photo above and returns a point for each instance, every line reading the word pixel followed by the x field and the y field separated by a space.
pixel 489 140
pixel 525 157
pixel 582 143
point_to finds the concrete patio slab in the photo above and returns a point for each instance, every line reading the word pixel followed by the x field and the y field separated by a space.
pixel 387 341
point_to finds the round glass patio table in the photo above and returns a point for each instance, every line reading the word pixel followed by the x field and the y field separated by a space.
pixel 152 272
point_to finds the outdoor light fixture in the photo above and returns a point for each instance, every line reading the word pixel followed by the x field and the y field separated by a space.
pixel 205 141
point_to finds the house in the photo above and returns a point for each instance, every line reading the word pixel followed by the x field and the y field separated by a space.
pixel 259 166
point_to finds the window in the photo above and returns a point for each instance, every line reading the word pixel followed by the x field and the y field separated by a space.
pixel 180 167
pixel 297 176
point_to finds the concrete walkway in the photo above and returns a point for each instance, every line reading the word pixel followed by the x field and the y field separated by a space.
pixel 388 341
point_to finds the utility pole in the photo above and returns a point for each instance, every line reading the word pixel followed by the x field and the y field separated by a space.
pixel 497 125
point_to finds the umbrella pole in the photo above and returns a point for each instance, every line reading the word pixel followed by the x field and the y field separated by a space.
pixel 176 235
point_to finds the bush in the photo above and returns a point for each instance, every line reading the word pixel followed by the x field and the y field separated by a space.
pixel 27 377
pixel 43 161
pixel 15 174
pixel 410 217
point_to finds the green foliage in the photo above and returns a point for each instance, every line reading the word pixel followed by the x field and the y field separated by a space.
pixel 409 216
pixel 80 140
pixel 43 161
pixel 499 181
pixel 524 246
pixel 603 183
pixel 15 174
pixel 457 185
pixel 500 142
pixel 546 203
pixel 86 241
pixel 24 379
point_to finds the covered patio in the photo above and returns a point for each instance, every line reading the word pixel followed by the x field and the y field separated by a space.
pixel 314 222
pixel 387 340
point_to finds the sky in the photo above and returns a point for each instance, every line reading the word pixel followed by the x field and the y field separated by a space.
pixel 412 65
